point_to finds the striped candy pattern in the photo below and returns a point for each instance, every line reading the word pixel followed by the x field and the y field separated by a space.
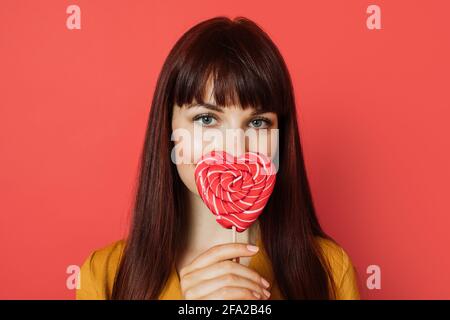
pixel 236 190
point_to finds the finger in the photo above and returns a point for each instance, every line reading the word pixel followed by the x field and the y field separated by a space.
pixel 228 280
pixel 219 269
pixel 231 293
pixel 218 253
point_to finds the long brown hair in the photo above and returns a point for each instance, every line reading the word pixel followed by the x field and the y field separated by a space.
pixel 248 70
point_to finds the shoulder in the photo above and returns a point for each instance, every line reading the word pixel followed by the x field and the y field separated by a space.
pixel 344 273
pixel 98 271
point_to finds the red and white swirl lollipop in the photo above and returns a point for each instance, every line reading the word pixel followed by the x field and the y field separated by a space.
pixel 236 190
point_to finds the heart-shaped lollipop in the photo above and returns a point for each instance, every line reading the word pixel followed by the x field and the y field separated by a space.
pixel 236 190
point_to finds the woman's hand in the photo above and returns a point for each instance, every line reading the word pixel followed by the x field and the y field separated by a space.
pixel 212 275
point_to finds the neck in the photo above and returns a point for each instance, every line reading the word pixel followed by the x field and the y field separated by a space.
pixel 204 232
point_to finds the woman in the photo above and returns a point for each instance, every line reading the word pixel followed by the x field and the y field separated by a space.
pixel 221 74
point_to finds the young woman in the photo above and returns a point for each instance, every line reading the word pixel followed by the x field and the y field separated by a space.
pixel 221 74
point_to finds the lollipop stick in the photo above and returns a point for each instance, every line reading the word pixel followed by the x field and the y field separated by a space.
pixel 234 241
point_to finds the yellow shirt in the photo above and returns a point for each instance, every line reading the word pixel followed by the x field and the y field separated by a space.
pixel 98 271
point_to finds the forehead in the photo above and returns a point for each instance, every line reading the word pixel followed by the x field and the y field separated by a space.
pixel 210 102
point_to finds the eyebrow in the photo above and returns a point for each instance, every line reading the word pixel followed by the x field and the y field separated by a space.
pixel 206 105
pixel 220 109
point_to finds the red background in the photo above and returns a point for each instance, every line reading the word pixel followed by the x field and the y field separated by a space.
pixel 374 114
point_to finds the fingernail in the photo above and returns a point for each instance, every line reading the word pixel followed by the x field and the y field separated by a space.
pixel 256 294
pixel 252 248
pixel 267 293
pixel 265 282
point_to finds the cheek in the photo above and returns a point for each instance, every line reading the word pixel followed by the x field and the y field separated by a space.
pixel 186 173
pixel 182 156
pixel 197 148
pixel 190 149
pixel 203 141
pixel 273 143
pixel 265 142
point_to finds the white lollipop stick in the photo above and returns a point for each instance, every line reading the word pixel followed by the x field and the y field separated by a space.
pixel 234 241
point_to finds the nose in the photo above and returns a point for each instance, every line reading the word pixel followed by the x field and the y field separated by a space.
pixel 235 142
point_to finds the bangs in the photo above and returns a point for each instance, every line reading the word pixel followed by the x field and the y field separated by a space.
pixel 241 64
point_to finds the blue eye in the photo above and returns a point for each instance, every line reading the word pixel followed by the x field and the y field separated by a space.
pixel 205 120
pixel 257 123
pixel 260 123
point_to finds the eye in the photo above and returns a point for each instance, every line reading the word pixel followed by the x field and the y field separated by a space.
pixel 205 120
pixel 260 123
